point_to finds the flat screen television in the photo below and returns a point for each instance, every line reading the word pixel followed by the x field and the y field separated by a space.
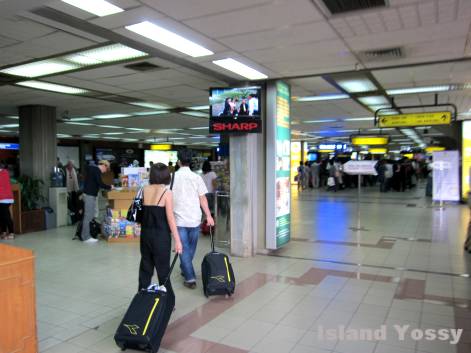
pixel 235 109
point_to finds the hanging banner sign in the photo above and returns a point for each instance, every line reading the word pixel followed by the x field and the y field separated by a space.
pixel 360 168
pixel 415 119
pixel 278 192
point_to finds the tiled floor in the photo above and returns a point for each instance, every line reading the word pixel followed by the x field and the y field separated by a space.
pixel 404 267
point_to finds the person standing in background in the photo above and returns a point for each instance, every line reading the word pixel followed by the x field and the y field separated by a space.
pixel 6 199
pixel 189 196
pixel 92 185
pixel 72 184
pixel 171 168
pixel 210 180
pixel 315 170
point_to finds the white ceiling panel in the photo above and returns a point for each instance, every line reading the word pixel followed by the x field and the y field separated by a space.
pixel 23 30
pixel 315 85
pixel 279 37
pixel 442 32
pixel 181 10
pixel 274 15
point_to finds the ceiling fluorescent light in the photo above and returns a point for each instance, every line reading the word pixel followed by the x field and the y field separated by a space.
pixel 111 116
pixel 110 126
pixel 357 85
pixel 320 121
pixel 196 114
pixel 373 100
pixel 169 39
pixel 78 123
pixel 106 54
pixel 40 68
pixel 240 69
pixel 150 105
pixel 80 119
pixel 199 107
pixel 63 135
pixel 97 7
pixel 412 90
pixel 322 97
pixel 199 128
pixel 360 119
pixel 155 112
pixel 9 125
pixel 113 133
pixel 46 86
pixel 14 117
pixel 136 129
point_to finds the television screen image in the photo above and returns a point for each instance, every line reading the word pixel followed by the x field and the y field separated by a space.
pixel 235 102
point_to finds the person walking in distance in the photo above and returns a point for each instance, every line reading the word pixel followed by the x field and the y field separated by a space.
pixel 6 200
pixel 189 196
pixel 92 185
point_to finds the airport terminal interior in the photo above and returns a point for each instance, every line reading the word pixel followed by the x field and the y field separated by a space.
pixel 339 134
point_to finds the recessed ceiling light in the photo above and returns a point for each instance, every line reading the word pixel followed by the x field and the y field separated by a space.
pixel 110 116
pixel 197 114
pixel 106 54
pixel 150 105
pixel 169 39
pixel 111 138
pixel 90 136
pixel 322 97
pixel 360 119
pixel 130 140
pixel 97 7
pixel 63 135
pixel 46 86
pixel 155 112
pixel 113 133
pixel 40 68
pixel 320 121
pixel 412 90
pixel 199 128
pixel 199 107
pixel 240 69
pixel 357 85
pixel 373 100
pixel 136 129
pixel 74 61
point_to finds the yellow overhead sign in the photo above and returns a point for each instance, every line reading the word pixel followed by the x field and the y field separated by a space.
pixel 161 147
pixel 363 140
pixel 415 119
pixel 378 150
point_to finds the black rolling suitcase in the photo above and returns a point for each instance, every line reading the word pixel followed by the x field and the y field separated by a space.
pixel 95 229
pixel 216 272
pixel 146 319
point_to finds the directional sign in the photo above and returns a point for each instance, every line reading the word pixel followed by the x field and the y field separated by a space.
pixel 360 168
pixel 415 119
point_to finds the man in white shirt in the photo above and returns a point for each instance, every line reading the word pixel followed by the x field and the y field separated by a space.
pixel 253 105
pixel 189 197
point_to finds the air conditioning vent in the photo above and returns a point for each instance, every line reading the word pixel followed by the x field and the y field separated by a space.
pixel 342 6
pixel 143 67
pixel 382 54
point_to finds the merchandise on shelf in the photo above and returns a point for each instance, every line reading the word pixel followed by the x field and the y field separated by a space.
pixel 117 226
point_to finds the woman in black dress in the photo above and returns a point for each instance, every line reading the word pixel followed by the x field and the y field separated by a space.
pixel 158 222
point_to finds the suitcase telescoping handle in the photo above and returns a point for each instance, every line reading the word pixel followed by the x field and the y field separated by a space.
pixel 171 269
pixel 212 238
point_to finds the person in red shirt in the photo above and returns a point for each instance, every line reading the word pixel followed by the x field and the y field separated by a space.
pixel 6 199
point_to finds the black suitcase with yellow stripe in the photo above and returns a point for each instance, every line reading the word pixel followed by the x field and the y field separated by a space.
pixel 216 273
pixel 146 319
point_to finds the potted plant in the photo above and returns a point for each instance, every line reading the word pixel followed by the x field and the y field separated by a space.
pixel 32 216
